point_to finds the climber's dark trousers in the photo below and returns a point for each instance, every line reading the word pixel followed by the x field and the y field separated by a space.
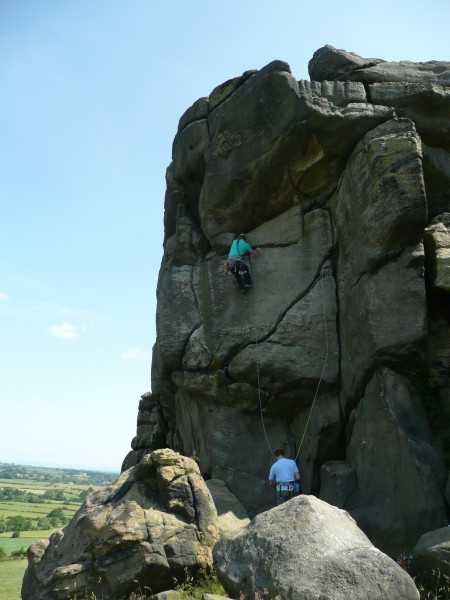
pixel 242 275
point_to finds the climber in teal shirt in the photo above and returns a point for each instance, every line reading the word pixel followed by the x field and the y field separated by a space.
pixel 240 248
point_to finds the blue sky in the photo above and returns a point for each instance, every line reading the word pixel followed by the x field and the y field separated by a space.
pixel 91 92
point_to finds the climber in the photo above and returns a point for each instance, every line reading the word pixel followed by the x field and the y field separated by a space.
pixel 239 249
pixel 285 477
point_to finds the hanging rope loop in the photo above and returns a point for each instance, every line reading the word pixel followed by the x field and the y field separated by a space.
pixel 261 411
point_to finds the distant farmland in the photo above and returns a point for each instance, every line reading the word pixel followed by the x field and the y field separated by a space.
pixel 28 496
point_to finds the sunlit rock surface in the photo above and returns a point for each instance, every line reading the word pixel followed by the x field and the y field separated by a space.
pixel 342 346
pixel 155 523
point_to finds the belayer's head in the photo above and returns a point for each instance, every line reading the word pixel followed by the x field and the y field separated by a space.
pixel 280 453
pixel 242 236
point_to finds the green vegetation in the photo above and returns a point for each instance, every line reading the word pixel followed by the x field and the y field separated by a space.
pixel 34 502
pixel 10 545
pixel 17 517
pixel 205 582
pixel 11 575
pixel 192 588
pixel 40 498
pixel 29 474
pixel 433 586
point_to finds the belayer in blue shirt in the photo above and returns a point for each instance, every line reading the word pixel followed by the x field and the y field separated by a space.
pixel 284 476
pixel 240 248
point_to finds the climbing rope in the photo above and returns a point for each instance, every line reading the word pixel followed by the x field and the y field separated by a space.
pixel 321 373
pixel 258 379
pixel 323 366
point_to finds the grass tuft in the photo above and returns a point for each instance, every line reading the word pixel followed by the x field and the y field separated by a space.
pixel 194 586
pixel 433 586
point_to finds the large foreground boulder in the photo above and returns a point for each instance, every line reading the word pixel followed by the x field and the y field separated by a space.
pixel 307 549
pixel 431 554
pixel 156 523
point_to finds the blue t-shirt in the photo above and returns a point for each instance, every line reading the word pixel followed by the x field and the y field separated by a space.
pixel 283 470
pixel 239 248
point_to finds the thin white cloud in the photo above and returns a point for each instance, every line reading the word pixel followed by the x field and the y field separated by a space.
pixel 3 297
pixel 134 354
pixel 66 331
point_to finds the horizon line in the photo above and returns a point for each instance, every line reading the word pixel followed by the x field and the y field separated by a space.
pixel 50 465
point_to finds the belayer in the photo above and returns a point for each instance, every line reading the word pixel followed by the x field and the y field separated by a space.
pixel 285 477
pixel 240 248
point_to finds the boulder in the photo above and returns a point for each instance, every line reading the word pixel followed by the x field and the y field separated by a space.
pixel 306 549
pixel 331 63
pixel 431 554
pixel 155 523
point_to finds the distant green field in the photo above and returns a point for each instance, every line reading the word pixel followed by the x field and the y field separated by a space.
pixel 39 487
pixel 42 534
pixel 11 570
pixel 8 509
pixel 11 575
pixel 12 544
pixel 34 511
pixel 19 481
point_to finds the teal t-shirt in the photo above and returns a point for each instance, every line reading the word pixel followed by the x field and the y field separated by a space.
pixel 239 248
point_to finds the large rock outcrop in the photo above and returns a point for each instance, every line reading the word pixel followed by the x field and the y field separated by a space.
pixel 307 549
pixel 340 353
pixel 431 554
pixel 154 524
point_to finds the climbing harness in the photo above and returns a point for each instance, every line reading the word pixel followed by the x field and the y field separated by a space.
pixel 285 490
pixel 285 486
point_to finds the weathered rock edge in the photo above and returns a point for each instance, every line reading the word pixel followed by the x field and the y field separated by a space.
pixel 154 524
